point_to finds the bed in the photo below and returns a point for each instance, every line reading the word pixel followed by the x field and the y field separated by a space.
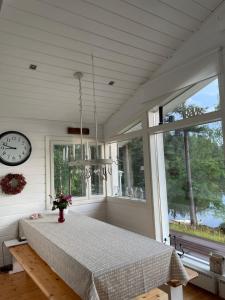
pixel 101 261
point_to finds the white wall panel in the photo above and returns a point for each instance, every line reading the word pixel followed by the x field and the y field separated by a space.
pixel 134 216
pixel 32 198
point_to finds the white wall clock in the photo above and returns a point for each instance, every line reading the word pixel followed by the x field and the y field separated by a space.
pixel 15 148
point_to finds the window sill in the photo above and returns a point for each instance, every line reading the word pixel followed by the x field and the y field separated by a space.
pixel 195 263
pixel 83 201
pixel 127 201
pixel 200 266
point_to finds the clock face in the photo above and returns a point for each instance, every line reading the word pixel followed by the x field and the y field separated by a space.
pixel 15 148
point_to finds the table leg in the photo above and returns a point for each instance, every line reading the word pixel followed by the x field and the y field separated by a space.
pixel 174 293
pixel 16 267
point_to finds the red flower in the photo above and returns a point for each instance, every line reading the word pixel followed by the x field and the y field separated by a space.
pixel 61 201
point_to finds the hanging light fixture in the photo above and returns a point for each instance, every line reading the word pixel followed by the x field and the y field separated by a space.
pixel 88 167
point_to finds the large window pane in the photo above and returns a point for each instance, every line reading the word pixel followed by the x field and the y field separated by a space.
pixel 195 174
pixel 96 178
pixel 131 182
pixel 68 180
pixel 197 100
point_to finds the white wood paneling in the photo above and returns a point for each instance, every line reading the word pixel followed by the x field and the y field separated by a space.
pixel 142 17
pixel 112 18
pixel 131 215
pixel 83 27
pixel 210 4
pixel 190 8
pixel 196 60
pixel 166 12
pixel 32 198
pixel 129 39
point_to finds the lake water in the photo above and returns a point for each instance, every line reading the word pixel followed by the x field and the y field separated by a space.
pixel 206 218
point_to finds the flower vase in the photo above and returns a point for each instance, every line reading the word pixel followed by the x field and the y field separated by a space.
pixel 61 218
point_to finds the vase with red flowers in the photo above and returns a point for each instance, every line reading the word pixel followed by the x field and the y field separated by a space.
pixel 61 202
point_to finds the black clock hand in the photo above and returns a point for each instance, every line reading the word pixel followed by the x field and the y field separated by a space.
pixel 8 147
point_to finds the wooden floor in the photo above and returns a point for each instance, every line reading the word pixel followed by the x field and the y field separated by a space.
pixel 20 287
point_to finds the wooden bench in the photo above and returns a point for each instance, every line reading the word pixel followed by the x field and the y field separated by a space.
pixel 172 290
pixel 45 278
pixel 56 289
pixel 155 294
pixel 174 287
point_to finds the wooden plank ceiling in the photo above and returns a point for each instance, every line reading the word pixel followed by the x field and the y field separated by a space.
pixel 129 39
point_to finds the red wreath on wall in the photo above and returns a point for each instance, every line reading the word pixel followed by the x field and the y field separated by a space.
pixel 13 184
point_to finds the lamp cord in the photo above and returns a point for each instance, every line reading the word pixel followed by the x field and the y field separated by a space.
pixel 95 106
pixel 81 117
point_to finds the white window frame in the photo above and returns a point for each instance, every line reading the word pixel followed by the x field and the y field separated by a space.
pixel 160 194
pixel 127 137
pixel 50 141
pixel 142 133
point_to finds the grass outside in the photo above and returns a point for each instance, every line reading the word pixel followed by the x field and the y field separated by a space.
pixel 212 234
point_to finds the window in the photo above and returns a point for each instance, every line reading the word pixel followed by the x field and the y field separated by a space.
pixel 195 176
pixel 130 169
pixel 197 100
pixel 190 171
pixel 69 180
pixel 96 180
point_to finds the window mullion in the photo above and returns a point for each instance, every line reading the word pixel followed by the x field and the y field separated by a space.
pixel 221 80
pixel 193 121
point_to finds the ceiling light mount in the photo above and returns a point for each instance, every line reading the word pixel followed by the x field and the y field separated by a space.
pixel 32 67
pixel 78 75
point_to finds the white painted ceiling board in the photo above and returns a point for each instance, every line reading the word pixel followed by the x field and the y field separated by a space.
pixel 19 61
pixel 111 19
pixel 60 43
pixel 42 79
pixel 53 113
pixel 162 10
pixel 142 17
pixel 57 105
pixel 51 92
pixel 12 41
pixel 130 40
pixel 67 32
pixel 84 26
pixel 190 8
pixel 66 65
pixel 25 97
pixel 29 82
pixel 55 97
pixel 210 4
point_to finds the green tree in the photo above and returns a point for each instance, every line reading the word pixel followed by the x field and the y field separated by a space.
pixel 194 160
pixel 67 180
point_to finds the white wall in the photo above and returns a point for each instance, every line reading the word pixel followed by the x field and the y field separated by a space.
pixel 32 199
pixel 132 215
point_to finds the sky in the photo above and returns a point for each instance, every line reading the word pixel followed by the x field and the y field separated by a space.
pixel 208 97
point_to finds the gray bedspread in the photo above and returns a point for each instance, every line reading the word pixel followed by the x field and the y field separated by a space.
pixel 101 261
